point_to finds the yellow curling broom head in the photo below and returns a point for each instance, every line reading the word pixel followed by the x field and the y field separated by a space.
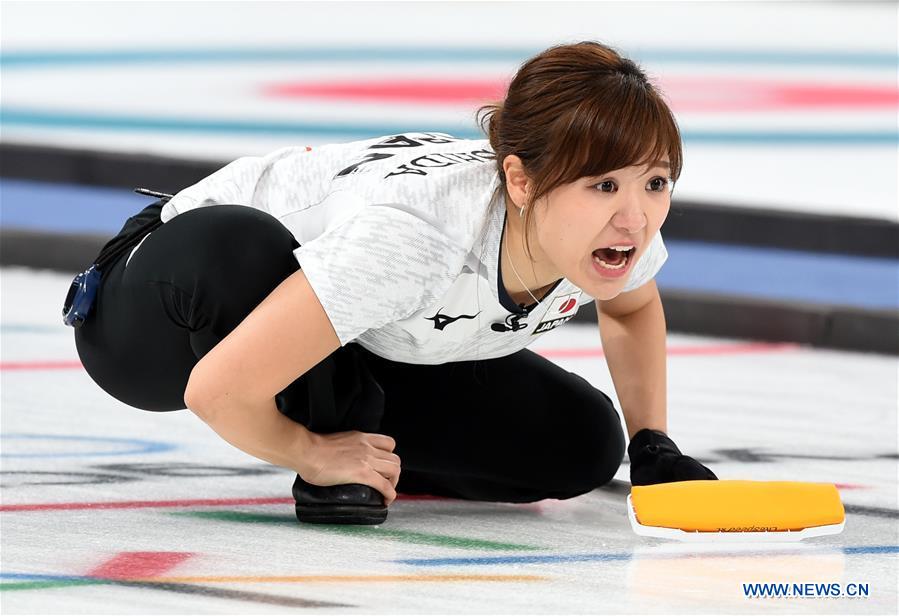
pixel 732 510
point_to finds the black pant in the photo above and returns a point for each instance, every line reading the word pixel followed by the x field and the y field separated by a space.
pixel 514 429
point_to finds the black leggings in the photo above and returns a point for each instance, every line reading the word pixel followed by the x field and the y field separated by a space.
pixel 514 429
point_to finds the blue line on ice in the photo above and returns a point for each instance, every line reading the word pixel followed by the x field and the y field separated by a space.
pixel 611 556
pixel 14 116
pixel 31 59
pixel 532 559
pixel 138 446
pixel 37 577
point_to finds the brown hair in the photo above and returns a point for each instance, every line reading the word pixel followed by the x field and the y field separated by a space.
pixel 579 110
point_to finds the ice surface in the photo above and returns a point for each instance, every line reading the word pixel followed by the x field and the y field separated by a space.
pixel 779 412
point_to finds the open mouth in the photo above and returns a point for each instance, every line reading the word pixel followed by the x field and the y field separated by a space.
pixel 614 257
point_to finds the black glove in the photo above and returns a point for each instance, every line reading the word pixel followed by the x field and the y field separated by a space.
pixel 656 459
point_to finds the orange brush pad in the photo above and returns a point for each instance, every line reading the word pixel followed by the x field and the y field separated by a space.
pixel 737 506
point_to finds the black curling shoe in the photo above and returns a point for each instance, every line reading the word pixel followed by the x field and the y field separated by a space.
pixel 351 503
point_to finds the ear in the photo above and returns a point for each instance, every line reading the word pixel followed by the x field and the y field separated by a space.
pixel 517 182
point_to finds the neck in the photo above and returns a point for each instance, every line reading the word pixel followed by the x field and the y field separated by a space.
pixel 536 277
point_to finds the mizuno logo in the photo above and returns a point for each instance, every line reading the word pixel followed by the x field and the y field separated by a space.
pixel 442 320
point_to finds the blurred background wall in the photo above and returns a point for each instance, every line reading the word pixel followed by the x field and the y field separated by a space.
pixel 785 223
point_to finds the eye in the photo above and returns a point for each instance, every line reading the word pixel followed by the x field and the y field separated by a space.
pixel 659 184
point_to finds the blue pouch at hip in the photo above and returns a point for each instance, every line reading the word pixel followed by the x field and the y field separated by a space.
pixel 83 290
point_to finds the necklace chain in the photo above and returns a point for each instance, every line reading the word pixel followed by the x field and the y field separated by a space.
pixel 514 271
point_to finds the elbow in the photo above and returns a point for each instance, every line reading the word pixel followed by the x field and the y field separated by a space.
pixel 197 396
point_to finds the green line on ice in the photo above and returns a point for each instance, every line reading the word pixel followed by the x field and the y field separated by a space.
pixel 405 536
pixel 48 584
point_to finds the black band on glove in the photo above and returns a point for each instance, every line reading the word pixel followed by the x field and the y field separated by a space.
pixel 656 459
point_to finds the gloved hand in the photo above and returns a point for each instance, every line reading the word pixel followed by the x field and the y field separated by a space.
pixel 656 459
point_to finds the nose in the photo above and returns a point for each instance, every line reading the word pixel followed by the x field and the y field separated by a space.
pixel 630 218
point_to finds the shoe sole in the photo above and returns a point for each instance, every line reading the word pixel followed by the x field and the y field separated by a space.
pixel 341 514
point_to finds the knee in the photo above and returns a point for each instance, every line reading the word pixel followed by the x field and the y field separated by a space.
pixel 598 448
pixel 610 456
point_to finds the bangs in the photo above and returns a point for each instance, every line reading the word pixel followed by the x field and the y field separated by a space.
pixel 629 126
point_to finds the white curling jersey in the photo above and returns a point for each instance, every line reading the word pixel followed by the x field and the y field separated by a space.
pixel 399 238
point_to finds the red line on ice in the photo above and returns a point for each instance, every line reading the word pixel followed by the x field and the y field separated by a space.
pixel 40 365
pixel 196 502
pixel 692 94
pixel 437 91
pixel 220 502
pixel 202 502
pixel 130 565
pixel 700 94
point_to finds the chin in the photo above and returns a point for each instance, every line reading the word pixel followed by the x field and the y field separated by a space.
pixel 605 295
pixel 602 290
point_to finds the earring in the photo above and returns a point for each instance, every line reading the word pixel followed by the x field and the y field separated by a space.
pixel 521 212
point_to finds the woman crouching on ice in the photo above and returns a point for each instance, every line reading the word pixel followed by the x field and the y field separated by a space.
pixel 351 310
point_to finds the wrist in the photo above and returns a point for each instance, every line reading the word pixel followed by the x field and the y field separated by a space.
pixel 647 436
pixel 643 426
pixel 302 448
pixel 648 443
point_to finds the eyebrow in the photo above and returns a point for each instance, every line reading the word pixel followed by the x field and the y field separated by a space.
pixel 652 165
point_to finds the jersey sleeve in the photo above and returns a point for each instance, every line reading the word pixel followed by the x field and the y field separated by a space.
pixel 649 264
pixel 380 266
